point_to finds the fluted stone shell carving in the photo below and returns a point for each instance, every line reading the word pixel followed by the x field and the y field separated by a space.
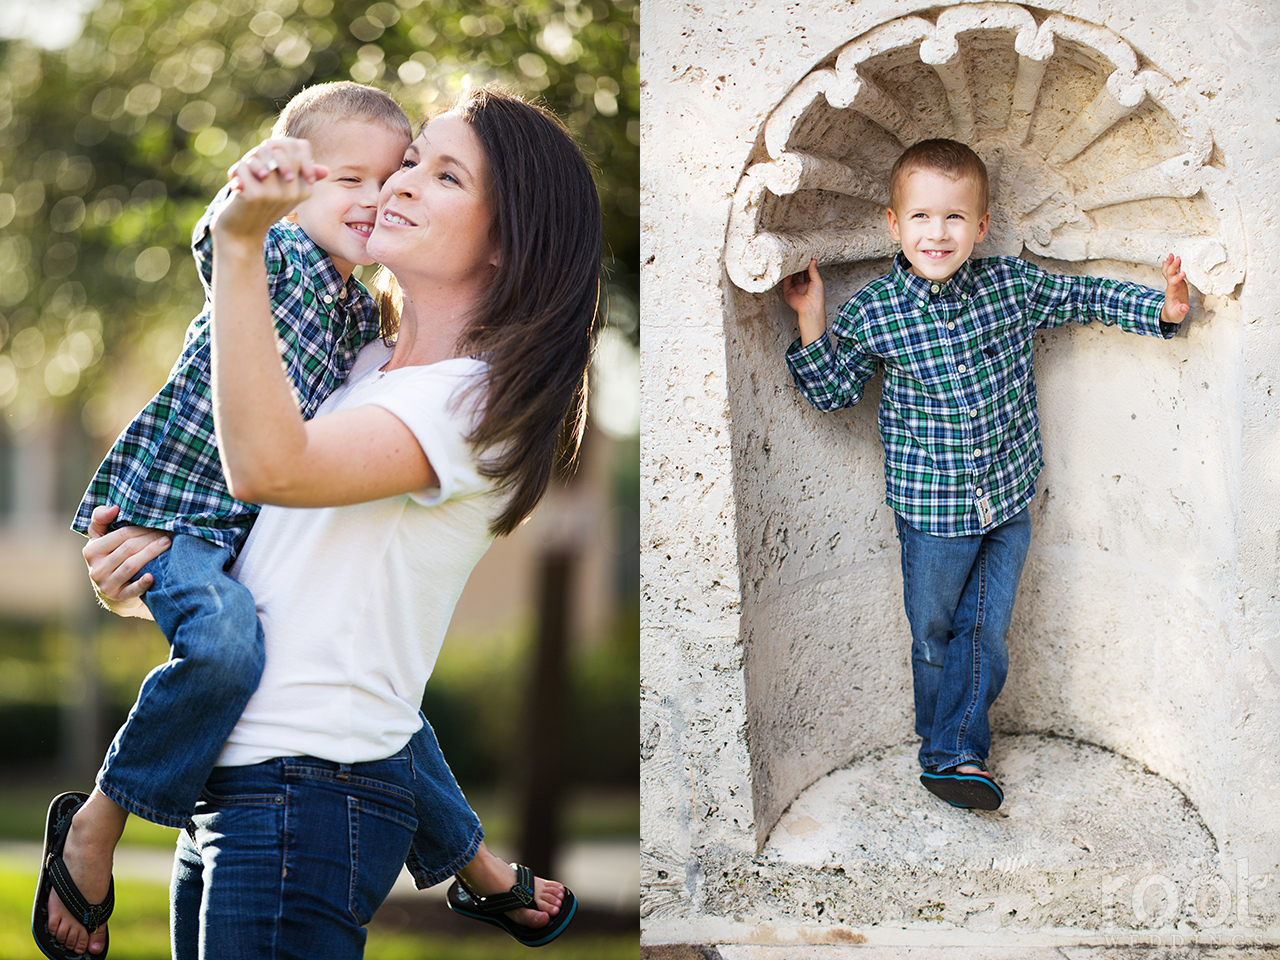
pixel 1093 154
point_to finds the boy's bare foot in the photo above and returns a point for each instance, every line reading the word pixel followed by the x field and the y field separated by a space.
pixel 90 847
pixel 487 874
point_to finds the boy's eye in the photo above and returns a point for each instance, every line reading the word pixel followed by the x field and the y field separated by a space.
pixel 407 164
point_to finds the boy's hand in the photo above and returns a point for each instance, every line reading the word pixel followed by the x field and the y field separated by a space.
pixel 806 295
pixel 267 183
pixel 1177 300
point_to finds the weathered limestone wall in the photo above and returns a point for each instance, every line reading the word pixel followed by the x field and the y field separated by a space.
pixel 1147 621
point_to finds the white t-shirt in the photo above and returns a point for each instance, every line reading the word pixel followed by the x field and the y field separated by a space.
pixel 354 601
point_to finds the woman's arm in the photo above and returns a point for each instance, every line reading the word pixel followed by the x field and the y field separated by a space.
pixel 269 453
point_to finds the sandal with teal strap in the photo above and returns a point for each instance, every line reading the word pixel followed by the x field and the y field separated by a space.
pixel 493 908
pixel 55 876
pixel 971 791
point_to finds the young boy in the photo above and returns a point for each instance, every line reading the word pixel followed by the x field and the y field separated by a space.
pixel 960 430
pixel 164 472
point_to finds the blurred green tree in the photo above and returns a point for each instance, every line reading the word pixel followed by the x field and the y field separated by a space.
pixel 110 149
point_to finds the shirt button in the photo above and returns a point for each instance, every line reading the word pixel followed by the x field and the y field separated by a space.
pixel 934 288
pixel 962 368
pixel 972 414
pixel 951 325
pixel 977 453
pixel 924 303
pixel 342 294
pixel 328 299
pixel 978 492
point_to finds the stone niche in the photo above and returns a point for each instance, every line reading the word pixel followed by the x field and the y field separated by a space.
pixel 1099 164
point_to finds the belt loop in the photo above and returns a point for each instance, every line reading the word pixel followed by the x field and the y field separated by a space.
pixel 344 771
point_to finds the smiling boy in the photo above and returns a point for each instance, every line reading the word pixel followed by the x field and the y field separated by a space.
pixel 953 337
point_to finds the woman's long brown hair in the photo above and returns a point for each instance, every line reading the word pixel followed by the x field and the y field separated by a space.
pixel 535 324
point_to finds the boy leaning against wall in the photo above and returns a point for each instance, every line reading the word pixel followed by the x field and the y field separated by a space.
pixel 961 434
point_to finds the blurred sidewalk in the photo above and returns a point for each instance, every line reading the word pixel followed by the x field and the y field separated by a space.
pixel 603 874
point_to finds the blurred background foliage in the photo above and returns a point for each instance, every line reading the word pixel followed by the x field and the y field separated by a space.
pixel 111 147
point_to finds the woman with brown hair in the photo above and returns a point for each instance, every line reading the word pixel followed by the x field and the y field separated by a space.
pixel 444 435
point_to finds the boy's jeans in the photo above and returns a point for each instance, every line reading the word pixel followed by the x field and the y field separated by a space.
pixel 959 594
pixel 161 758
pixel 289 858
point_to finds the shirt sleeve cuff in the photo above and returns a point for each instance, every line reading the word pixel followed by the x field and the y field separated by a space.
pixel 807 362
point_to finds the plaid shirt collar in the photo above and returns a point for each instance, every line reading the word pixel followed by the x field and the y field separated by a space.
pixel 960 284
pixel 324 275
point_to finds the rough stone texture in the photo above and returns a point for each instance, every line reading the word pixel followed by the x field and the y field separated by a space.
pixel 1147 623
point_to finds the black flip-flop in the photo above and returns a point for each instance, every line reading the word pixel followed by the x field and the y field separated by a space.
pixel 492 909
pixel 968 790
pixel 55 876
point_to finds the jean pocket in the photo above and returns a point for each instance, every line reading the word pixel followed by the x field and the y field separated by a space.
pixel 380 837
pixel 223 797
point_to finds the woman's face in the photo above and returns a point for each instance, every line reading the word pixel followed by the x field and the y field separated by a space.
pixel 434 216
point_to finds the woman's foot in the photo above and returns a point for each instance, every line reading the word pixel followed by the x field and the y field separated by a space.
pixel 90 848
pixel 487 874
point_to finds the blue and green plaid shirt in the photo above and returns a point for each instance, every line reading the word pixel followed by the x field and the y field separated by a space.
pixel 164 470
pixel 958 407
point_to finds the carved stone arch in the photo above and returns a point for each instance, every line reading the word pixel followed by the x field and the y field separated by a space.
pixel 1093 154
pixel 1099 163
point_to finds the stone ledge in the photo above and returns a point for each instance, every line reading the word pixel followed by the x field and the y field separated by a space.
pixel 1088 843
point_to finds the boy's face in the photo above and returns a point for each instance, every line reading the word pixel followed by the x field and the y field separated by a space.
pixel 340 212
pixel 937 221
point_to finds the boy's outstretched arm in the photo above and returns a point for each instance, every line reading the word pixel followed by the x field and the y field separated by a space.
pixel 805 295
pixel 1177 300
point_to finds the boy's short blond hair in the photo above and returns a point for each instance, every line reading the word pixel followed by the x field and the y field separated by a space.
pixel 305 115
pixel 947 157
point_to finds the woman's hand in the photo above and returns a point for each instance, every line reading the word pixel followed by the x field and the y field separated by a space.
pixel 268 182
pixel 114 559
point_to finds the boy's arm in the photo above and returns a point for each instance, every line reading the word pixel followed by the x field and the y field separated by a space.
pixel 1052 300
pixel 202 245
pixel 830 377
pixel 806 295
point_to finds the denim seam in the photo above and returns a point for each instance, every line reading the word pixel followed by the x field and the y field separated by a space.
pixel 138 809
pixel 977 647
pixel 353 836
pixel 367 783
pixel 430 880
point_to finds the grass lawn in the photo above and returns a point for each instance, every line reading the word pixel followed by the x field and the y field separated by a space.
pixel 140 931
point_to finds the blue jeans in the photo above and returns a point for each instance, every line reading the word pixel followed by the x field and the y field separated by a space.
pixel 290 858
pixel 159 761
pixel 187 706
pixel 959 594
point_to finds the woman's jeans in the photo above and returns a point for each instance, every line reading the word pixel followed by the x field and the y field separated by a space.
pixel 959 594
pixel 290 858
pixel 159 761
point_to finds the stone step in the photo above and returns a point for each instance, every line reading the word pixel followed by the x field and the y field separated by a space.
pixel 1087 842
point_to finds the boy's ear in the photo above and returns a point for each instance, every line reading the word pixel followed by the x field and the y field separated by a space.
pixel 982 227
pixel 893 223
